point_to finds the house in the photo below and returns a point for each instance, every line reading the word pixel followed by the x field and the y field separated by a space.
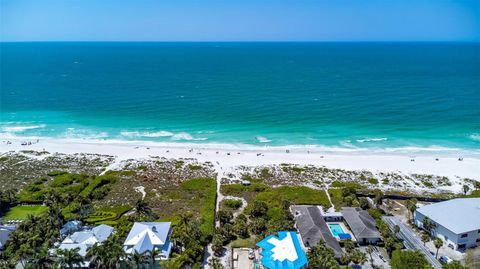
pixel 456 222
pixel 5 231
pixel 148 236
pixel 85 239
pixel 361 224
pixel 70 227
pixel 282 252
pixel 312 227
pixel 332 216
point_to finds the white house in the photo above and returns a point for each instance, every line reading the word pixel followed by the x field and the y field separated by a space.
pixel 148 236
pixel 457 221
pixel 5 232
pixel 86 238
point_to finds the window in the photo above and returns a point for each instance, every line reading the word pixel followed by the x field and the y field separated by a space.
pixel 464 235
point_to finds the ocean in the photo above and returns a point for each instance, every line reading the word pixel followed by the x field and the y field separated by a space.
pixel 346 96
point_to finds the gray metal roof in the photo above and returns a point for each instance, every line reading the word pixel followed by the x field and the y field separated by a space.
pixel 4 233
pixel 85 239
pixel 70 227
pixel 360 222
pixel 102 232
pixel 458 215
pixel 313 228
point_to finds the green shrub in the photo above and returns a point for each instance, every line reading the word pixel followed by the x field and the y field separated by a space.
pixel 352 185
pixel 233 203
pixel 66 179
pixel 298 169
pixel 98 182
pixel 207 191
pixel 194 167
pixel 373 181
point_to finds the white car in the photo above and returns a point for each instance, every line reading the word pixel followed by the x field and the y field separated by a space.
pixel 251 254
pixel 446 259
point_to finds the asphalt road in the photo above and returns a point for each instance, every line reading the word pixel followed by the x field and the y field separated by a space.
pixel 411 240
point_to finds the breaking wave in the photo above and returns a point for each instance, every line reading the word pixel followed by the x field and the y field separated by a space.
pixel 371 139
pixel 16 129
pixel 147 134
pixel 263 139
pixel 187 136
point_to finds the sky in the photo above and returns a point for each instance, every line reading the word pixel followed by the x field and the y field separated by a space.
pixel 240 20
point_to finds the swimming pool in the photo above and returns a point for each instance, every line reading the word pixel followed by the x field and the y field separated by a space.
pixel 336 229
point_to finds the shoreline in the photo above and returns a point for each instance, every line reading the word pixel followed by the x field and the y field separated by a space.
pixel 230 156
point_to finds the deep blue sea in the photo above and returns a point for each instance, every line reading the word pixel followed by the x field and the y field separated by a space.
pixel 339 95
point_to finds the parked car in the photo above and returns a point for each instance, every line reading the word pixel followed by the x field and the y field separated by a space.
pixel 445 259
pixel 251 254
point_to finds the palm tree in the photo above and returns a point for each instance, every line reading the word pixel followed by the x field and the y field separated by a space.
pixel 466 188
pixel 97 256
pixel 412 206
pixel 137 260
pixel 31 220
pixel 142 208
pixel 438 244
pixel 358 257
pixel 428 225
pixel 39 260
pixel 55 216
pixel 321 256
pixel 35 241
pixel 182 232
pixel 344 259
pixel 370 251
pixel 154 253
pixel 378 199
pixel 7 264
pixel 396 230
pixel 425 238
pixel 349 245
pixel 52 199
pixel 172 263
pixel 215 263
pixel 25 252
pixel 69 258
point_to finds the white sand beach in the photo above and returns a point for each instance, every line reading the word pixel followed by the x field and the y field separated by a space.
pixel 228 156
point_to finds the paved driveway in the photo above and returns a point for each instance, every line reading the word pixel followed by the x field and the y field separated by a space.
pixel 376 258
pixel 241 260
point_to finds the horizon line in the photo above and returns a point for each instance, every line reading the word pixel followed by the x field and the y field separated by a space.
pixel 239 41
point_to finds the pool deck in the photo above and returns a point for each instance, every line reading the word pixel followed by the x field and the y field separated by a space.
pixel 344 228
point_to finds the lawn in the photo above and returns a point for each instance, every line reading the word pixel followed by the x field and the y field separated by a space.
pixel 21 212
pixel 244 243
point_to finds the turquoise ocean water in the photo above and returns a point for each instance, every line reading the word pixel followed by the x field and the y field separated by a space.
pixel 340 95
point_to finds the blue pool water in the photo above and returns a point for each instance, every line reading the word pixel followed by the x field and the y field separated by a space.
pixel 336 229
pixel 348 96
